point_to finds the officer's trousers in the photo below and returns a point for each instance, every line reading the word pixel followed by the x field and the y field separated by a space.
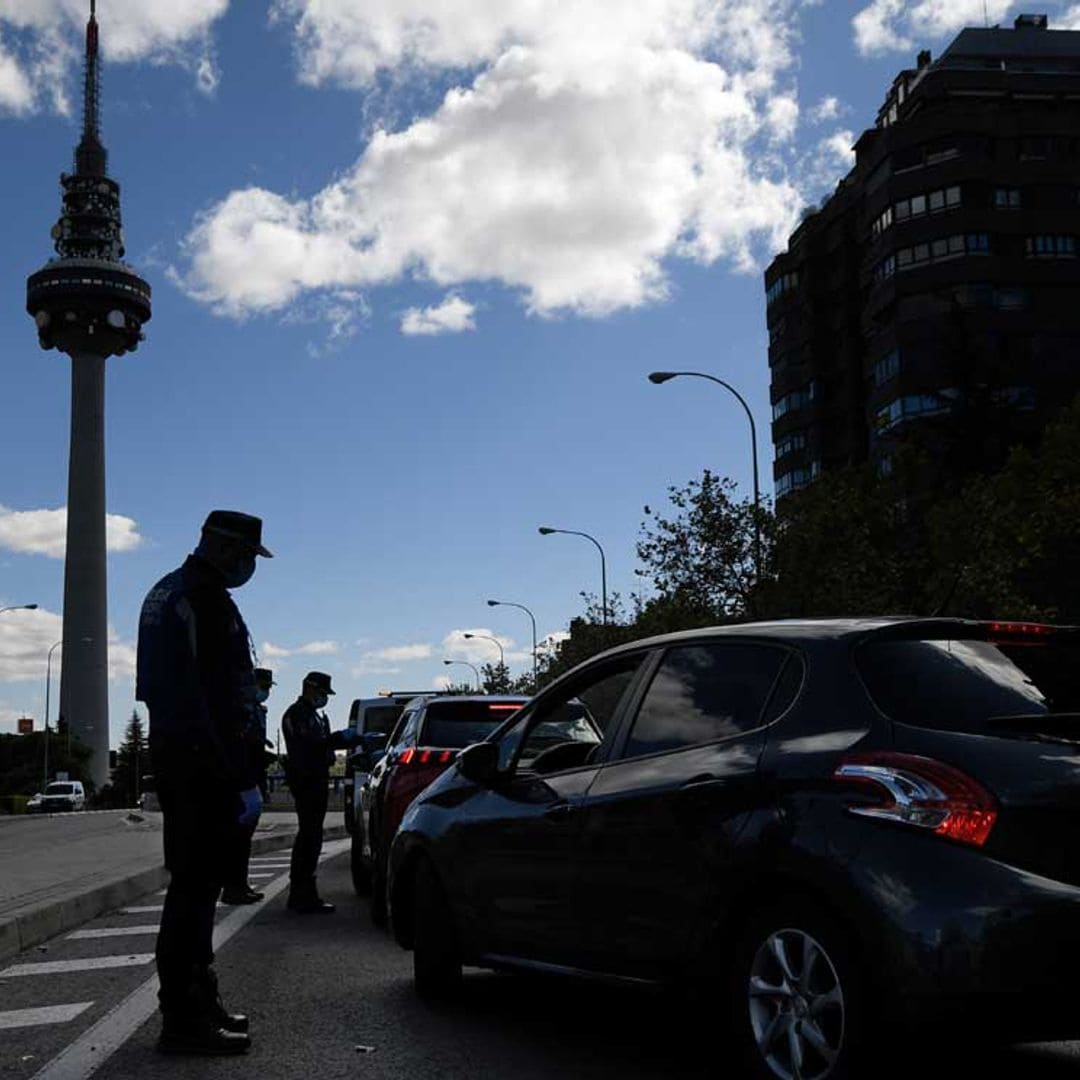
pixel 310 796
pixel 198 823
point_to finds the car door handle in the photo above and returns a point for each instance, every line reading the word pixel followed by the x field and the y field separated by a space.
pixel 701 783
pixel 560 810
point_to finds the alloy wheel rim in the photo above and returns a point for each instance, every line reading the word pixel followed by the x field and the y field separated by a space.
pixel 796 1006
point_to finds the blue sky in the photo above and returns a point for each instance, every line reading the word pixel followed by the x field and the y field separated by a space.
pixel 412 261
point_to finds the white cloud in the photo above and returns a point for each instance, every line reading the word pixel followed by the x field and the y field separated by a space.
pixel 1068 19
pixel 27 636
pixel 589 144
pixel 840 148
pixel 270 651
pixel 901 25
pixel 450 317
pixel 50 36
pixel 399 653
pixel 442 682
pixel 828 108
pixel 479 650
pixel 44 532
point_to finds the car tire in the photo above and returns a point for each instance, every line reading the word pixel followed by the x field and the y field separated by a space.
pixel 358 865
pixel 819 1009
pixel 378 888
pixel 436 959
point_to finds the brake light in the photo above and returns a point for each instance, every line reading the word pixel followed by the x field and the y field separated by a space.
pixel 1020 629
pixel 923 793
pixel 504 708
pixel 425 756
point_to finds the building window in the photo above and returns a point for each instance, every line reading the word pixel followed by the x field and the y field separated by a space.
pixel 885 269
pixel 789 444
pixel 1007 199
pixel 797 399
pixel 784 283
pixel 794 479
pixel 778 329
pixel 1050 247
pixel 1010 298
pixel 944 247
pixel 883 221
pixel 888 367
pixel 914 405
pixel 1017 397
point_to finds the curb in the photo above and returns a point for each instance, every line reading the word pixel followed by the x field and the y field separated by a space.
pixel 38 924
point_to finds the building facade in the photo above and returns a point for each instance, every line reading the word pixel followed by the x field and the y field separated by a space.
pixel 933 297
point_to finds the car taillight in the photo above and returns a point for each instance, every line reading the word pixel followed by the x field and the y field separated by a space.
pixel 414 755
pixel 921 792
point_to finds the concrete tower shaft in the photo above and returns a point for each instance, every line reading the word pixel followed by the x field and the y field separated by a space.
pixel 89 304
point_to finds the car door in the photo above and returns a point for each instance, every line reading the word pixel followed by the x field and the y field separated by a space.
pixel 663 816
pixel 373 791
pixel 518 850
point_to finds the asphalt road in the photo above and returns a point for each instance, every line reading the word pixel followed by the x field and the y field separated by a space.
pixel 332 997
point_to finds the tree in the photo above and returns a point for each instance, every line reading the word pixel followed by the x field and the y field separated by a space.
pixel 131 758
pixel 495 678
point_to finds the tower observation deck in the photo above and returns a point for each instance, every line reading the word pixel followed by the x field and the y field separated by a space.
pixel 88 303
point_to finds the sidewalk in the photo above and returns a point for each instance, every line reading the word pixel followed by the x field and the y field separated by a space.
pixel 60 870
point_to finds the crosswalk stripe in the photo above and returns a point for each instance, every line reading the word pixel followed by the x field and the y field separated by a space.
pixel 270 862
pixel 111 931
pixel 142 910
pixel 50 1014
pixel 90 963
pixel 271 874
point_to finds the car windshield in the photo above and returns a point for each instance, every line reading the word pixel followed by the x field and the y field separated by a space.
pixel 381 718
pixel 58 789
pixel 958 685
pixel 456 724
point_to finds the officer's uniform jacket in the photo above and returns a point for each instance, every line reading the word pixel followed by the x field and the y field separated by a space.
pixel 309 742
pixel 195 674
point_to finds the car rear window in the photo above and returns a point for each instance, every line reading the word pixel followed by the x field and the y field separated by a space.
pixel 58 789
pixel 967 685
pixel 456 724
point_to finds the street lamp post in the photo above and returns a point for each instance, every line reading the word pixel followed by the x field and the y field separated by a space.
pixel 19 607
pixel 475 671
pixel 48 683
pixel 659 377
pixel 488 637
pixel 532 619
pixel 546 530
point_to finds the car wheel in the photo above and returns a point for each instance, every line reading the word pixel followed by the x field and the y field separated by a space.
pixel 378 888
pixel 797 997
pixel 358 865
pixel 436 960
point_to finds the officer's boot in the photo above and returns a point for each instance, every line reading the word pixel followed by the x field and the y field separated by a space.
pixel 188 1026
pixel 207 982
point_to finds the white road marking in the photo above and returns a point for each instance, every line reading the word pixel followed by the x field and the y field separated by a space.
pixel 50 1014
pixel 142 910
pixel 271 862
pixel 82 1058
pixel 111 931
pixel 271 874
pixel 89 963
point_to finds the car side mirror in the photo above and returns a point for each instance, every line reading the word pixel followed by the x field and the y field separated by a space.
pixel 374 742
pixel 480 763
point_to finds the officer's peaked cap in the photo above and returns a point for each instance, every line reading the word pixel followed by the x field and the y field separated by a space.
pixel 320 680
pixel 238 526
pixel 264 675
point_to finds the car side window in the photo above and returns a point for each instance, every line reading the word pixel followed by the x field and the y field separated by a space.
pixel 704 693
pixel 399 729
pixel 564 729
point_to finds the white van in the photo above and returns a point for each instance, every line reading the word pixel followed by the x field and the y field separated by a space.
pixel 63 795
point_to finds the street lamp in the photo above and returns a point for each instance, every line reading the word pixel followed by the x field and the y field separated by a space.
pixel 467 664
pixel 532 619
pixel 659 377
pixel 48 683
pixel 546 530
pixel 19 607
pixel 488 637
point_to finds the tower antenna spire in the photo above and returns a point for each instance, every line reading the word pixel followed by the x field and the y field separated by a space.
pixel 90 156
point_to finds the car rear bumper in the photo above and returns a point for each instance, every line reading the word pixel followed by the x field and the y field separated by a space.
pixel 961 932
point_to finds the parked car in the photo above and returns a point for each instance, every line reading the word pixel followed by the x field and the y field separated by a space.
pixel 369 718
pixel 425 741
pixel 33 804
pixel 824 824
pixel 63 795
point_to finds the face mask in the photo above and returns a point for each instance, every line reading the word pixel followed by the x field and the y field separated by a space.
pixel 241 572
pixel 320 701
pixel 261 694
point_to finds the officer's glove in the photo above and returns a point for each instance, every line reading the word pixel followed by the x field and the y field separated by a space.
pixel 252 808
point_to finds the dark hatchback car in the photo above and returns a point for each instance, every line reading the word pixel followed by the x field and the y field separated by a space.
pixel 825 825
pixel 424 742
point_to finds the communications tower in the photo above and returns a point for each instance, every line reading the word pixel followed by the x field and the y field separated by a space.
pixel 89 304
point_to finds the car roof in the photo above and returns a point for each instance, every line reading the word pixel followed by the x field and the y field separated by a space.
pixel 503 699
